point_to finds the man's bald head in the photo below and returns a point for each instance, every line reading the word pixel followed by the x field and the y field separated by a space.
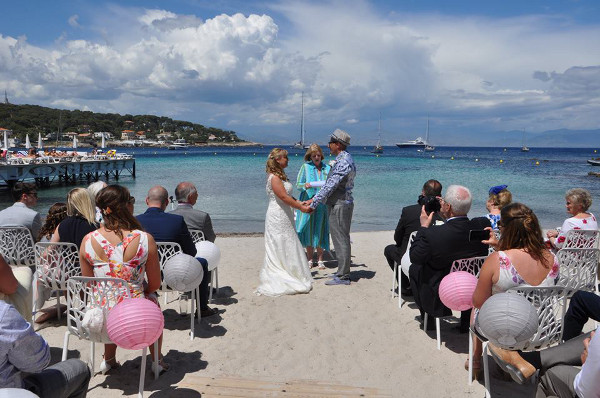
pixel 157 197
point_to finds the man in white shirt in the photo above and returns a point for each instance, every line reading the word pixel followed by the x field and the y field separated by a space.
pixel 25 196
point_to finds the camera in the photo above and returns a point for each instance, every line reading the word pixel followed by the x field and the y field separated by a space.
pixel 431 203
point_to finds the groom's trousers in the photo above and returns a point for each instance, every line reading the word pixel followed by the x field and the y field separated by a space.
pixel 340 218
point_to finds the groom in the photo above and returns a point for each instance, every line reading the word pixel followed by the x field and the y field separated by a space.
pixel 337 194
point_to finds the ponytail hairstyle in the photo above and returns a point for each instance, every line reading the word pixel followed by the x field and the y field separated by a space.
pixel 56 214
pixel 80 203
pixel 112 202
pixel 521 230
pixel 273 167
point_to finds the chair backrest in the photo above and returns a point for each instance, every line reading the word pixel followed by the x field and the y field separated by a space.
pixel 16 246
pixel 166 250
pixel 581 239
pixel 550 303
pixel 405 261
pixel 197 235
pixel 578 269
pixel 84 293
pixel 55 263
pixel 472 265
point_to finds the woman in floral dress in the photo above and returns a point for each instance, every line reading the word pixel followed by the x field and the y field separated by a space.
pixel 578 201
pixel 120 249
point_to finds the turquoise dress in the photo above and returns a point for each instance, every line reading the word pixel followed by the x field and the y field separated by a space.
pixel 313 229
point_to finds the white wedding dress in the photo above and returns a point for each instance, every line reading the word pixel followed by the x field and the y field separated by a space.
pixel 285 268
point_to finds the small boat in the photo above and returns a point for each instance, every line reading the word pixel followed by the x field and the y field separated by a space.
pixel 378 148
pixel 594 162
pixel 179 143
pixel 300 144
pixel 524 148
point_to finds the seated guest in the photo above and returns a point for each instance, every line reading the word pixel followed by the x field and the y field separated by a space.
pixel 166 227
pixel 80 220
pixel 24 351
pixel 93 190
pixel 15 287
pixel 56 213
pixel 578 202
pixel 25 196
pixel 120 249
pixel 436 247
pixel 186 196
pixel 408 223
pixel 520 259
pixel 559 376
pixel 498 198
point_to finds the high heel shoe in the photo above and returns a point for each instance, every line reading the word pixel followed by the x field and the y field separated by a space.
pixel 105 366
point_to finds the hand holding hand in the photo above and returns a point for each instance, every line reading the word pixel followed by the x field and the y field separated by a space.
pixel 305 209
pixel 307 202
pixel 424 218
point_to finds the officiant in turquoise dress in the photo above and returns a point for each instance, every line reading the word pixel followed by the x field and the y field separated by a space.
pixel 313 228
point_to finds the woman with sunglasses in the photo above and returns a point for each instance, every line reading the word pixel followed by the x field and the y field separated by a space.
pixel 520 259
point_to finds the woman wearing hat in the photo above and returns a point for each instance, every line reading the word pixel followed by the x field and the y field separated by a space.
pixel 499 197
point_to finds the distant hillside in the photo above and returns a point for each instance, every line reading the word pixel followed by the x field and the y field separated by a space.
pixel 34 119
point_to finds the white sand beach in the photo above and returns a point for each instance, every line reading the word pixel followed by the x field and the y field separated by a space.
pixel 336 335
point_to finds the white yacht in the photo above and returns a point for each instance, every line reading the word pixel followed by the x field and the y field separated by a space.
pixel 419 143
pixel 179 143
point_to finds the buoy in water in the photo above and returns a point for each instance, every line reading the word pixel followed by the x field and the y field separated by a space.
pixel 501 161
pixel 537 163
pixel 477 160
pixel 432 156
pixel 504 149
pixel 452 158
pixel 215 153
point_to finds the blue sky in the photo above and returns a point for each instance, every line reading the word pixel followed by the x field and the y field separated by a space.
pixel 474 67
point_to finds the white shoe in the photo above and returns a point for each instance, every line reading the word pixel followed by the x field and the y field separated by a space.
pixel 310 264
pixel 105 366
pixel 321 265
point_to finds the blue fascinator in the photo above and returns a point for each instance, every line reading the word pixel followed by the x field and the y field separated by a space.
pixel 497 189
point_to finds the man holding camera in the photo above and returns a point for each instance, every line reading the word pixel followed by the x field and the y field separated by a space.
pixel 436 247
pixel 410 222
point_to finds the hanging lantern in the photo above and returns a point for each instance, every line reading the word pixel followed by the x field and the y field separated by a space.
pixel 183 272
pixel 456 290
pixel 135 323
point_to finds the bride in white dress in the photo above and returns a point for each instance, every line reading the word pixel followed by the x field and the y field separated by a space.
pixel 285 269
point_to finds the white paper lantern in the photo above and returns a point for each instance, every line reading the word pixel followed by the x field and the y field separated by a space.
pixel 183 272
pixel 210 252
pixel 508 320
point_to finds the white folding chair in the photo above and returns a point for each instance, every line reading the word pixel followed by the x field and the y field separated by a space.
pixel 551 303
pixel 581 239
pixel 471 265
pixel 578 269
pixel 166 250
pixel 55 263
pixel 198 236
pixel 84 293
pixel 16 246
pixel 402 267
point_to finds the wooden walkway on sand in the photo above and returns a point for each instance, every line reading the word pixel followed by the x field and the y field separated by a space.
pixel 237 387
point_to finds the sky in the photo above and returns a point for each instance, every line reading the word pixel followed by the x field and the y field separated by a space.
pixel 474 68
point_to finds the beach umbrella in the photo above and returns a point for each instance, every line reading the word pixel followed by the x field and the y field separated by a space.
pixel 5 140
pixel 103 142
pixel 27 142
pixel 74 142
pixel 40 141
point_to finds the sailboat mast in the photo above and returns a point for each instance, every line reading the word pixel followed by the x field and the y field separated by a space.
pixel 302 123
pixel 427 132
pixel 379 130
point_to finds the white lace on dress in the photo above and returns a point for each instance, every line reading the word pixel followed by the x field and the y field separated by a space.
pixel 285 267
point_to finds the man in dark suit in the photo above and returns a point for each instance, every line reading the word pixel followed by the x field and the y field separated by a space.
pixel 436 246
pixel 187 195
pixel 165 227
pixel 408 223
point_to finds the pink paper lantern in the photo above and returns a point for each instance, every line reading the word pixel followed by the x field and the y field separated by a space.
pixel 135 323
pixel 456 290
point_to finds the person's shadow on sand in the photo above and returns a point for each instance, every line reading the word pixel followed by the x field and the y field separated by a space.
pixel 126 378
pixel 204 328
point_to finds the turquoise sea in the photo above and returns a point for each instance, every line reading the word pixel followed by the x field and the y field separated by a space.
pixel 231 181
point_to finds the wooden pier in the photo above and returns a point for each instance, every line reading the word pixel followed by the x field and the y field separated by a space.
pixel 66 170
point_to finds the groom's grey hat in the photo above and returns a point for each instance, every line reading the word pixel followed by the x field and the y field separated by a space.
pixel 341 136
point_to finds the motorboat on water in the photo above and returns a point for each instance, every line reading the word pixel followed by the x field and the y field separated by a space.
pixel 594 162
pixel 419 143
pixel 179 143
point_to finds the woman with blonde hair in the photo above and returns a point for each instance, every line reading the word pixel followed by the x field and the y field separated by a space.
pixel 499 197
pixel 284 270
pixel 313 228
pixel 80 220
pixel 578 201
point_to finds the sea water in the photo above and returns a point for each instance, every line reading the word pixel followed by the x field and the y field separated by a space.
pixel 231 181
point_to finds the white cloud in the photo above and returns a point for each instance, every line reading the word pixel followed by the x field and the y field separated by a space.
pixel 350 61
